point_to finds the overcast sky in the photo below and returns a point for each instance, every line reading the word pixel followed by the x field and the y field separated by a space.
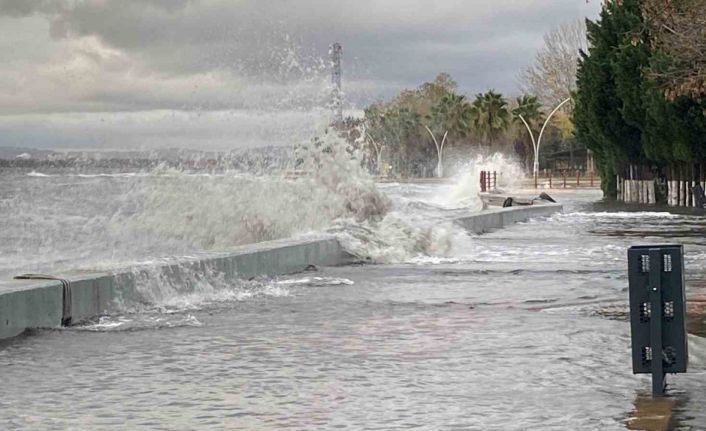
pixel 227 73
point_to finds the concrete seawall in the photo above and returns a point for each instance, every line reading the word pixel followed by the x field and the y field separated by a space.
pixel 26 304
pixel 500 217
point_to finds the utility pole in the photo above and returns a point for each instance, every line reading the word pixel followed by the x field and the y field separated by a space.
pixel 337 96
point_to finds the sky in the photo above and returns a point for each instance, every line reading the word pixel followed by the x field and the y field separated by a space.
pixel 221 74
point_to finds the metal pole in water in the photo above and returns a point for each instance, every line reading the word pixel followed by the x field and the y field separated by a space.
pixel 655 287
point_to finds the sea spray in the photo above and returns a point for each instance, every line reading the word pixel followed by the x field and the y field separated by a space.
pixel 419 223
pixel 105 219
pixel 466 178
pixel 215 212
pixel 331 192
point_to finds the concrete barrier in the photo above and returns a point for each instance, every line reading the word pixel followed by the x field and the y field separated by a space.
pixel 497 218
pixel 26 304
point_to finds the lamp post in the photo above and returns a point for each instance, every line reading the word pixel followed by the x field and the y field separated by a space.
pixel 538 142
pixel 336 54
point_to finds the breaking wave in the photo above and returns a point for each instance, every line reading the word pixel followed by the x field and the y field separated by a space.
pixel 78 220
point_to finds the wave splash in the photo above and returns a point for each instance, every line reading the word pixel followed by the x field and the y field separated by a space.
pixel 213 212
pixel 110 220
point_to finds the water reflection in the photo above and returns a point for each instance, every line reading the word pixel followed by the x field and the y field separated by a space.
pixel 653 414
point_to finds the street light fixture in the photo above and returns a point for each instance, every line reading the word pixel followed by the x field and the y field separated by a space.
pixel 537 143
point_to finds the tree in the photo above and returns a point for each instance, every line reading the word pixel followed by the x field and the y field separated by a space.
pixel 552 77
pixel 625 111
pixel 491 116
pixel 606 113
pixel 678 36
pixel 402 126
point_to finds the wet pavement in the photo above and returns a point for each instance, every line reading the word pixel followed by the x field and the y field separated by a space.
pixel 521 328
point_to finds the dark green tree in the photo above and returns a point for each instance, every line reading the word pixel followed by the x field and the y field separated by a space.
pixel 608 105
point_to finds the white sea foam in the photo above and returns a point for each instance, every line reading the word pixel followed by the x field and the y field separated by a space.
pixel 90 220
pixel 622 215
pixel 315 281
pixel 466 178
pixel 37 174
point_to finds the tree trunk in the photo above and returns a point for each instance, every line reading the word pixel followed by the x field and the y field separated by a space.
pixel 682 197
pixel 672 186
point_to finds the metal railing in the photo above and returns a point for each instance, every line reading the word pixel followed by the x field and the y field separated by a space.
pixel 488 180
pixel 566 178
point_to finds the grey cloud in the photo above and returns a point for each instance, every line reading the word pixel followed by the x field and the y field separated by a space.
pixel 254 37
pixel 220 55
pixel 21 8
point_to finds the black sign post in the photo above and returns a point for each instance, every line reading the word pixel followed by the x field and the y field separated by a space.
pixel 657 312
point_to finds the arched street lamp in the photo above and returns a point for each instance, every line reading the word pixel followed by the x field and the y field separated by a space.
pixel 537 143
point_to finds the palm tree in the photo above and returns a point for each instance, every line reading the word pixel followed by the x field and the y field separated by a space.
pixel 491 116
pixel 527 116
pixel 458 114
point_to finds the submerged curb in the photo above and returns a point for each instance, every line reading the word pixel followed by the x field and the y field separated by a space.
pixel 29 304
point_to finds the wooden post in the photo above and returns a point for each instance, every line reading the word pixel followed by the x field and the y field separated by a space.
pixel 591 176
pixel 687 195
pixel 680 174
pixel 482 181
pixel 638 183
pixel 550 179
pixel 651 199
pixel 638 191
pixel 677 185
pixel 578 178
pixel 635 192
pixel 670 187
pixel 645 196
pixel 682 185
pixel 691 185
pixel 684 198
pixel 495 180
pixel 564 174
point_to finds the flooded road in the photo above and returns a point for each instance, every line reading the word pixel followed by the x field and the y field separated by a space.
pixel 522 328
